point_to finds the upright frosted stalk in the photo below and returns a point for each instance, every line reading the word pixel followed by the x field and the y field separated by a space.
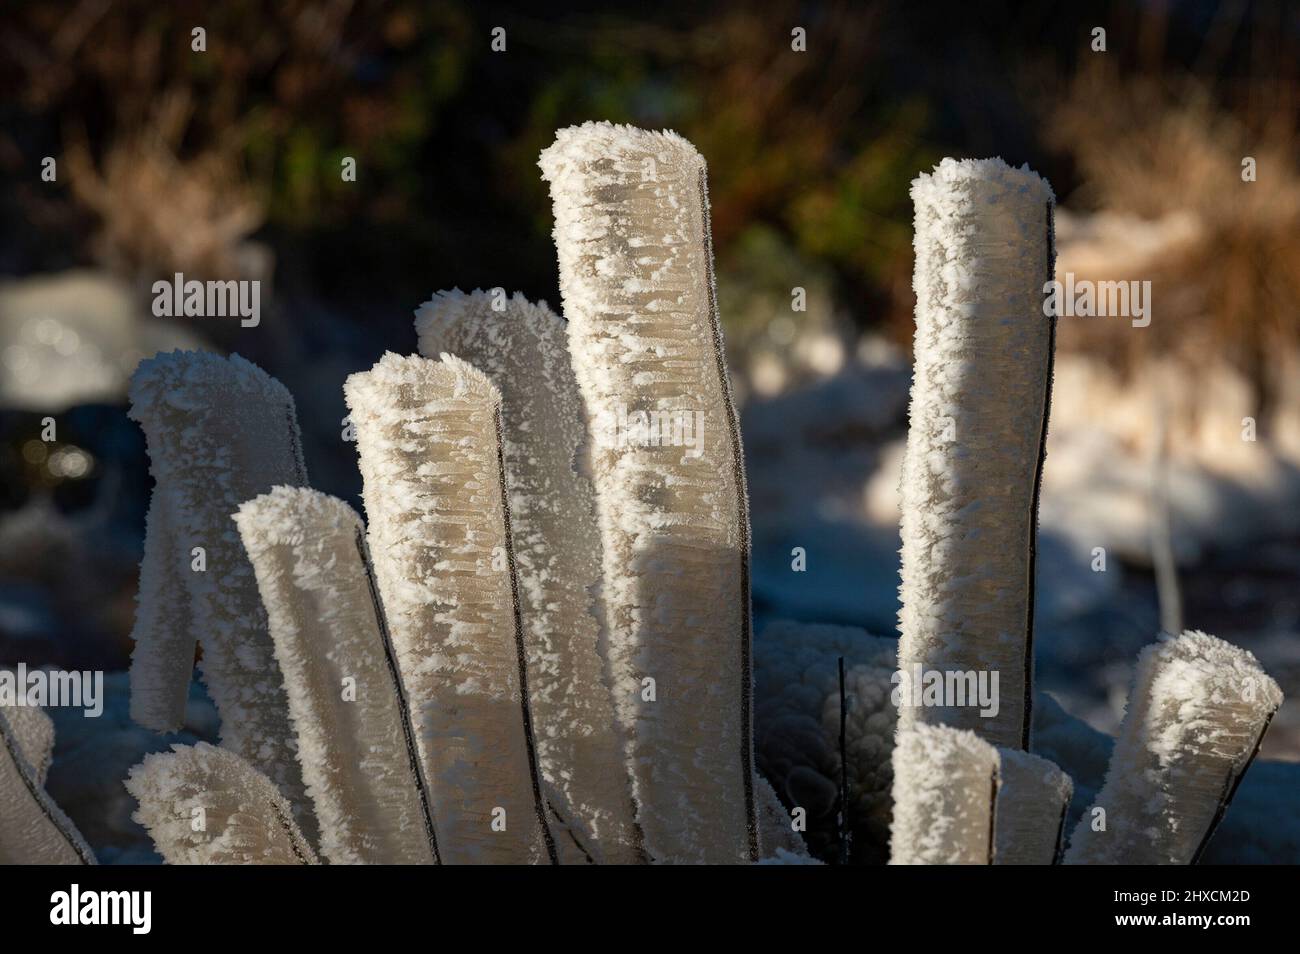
pixel 636 273
pixel 1195 720
pixel 33 829
pixel 429 439
pixel 220 431
pixel 354 739
pixel 980 399
pixel 523 349
pixel 1033 795
pixel 945 783
pixel 206 806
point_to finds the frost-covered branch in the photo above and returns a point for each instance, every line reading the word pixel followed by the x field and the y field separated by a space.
pixel 1033 795
pixel 354 739
pixel 1195 719
pixel 429 440
pixel 33 829
pixel 220 431
pixel 978 422
pixel 522 347
pixel 636 274
pixel 945 785
pixel 206 805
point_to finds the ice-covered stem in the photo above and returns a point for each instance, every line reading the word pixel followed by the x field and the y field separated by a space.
pixel 636 275
pixel 355 741
pixel 429 441
pixel 980 399
pixel 523 348
pixel 945 783
pixel 1029 820
pixel 775 828
pixel 204 805
pixel 1195 720
pixel 33 829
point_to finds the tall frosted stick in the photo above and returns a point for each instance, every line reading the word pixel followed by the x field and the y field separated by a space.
pixel 978 423
pixel 429 443
pixel 523 348
pixel 355 742
pixel 1195 720
pixel 220 431
pixel 636 274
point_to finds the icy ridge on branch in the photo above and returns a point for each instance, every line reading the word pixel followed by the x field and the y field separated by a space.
pixel 978 419
pixel 428 440
pixel 220 431
pixel 636 275
pixel 522 347
pixel 307 551
pixel 1196 716
pixel 204 805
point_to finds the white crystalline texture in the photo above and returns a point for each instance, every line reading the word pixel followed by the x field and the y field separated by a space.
pixel 1033 795
pixel 944 780
pixel 632 234
pixel 220 431
pixel 524 350
pixel 204 805
pixel 978 412
pixel 797 725
pixel 1196 716
pixel 775 825
pixel 33 829
pixel 428 437
pixel 307 551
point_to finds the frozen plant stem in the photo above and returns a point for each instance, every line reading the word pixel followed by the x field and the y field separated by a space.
pixel 945 785
pixel 978 425
pixel 1033 795
pixel 220 431
pixel 428 439
pixel 523 348
pixel 204 805
pixel 33 829
pixel 636 274
pixel 307 551
pixel 1196 717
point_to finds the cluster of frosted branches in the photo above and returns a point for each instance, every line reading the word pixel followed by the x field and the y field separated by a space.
pixel 537 647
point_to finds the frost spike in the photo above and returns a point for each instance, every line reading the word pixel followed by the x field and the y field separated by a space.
pixel 523 349
pixel 33 829
pixel 976 437
pixel 220 431
pixel 636 274
pixel 1033 796
pixel 428 438
pixel 1196 716
pixel 945 781
pixel 307 550
pixel 246 820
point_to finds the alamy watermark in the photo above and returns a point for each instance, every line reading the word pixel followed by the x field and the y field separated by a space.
pixel 1089 299
pixel 179 298
pixel 621 428
pixel 53 688
pixel 918 687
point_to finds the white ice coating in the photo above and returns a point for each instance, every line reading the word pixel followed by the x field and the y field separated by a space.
pixel 636 275
pixel 978 417
pixel 775 824
pixel 523 348
pixel 1033 794
pixel 1195 718
pixel 244 818
pixel 944 782
pixel 33 829
pixel 220 431
pixel 428 439
pixel 306 549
